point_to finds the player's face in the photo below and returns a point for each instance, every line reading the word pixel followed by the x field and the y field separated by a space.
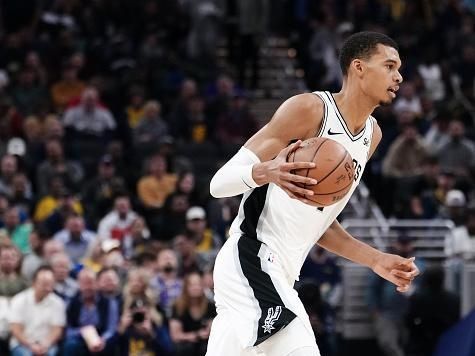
pixel 382 77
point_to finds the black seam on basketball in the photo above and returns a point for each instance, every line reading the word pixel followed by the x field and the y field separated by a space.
pixel 334 169
pixel 314 154
pixel 317 202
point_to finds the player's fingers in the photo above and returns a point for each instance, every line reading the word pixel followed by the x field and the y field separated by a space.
pixel 291 166
pixel 402 289
pixel 290 148
pixel 298 179
pixel 296 189
pixel 409 276
pixel 400 282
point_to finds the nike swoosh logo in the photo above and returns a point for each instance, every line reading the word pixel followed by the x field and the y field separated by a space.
pixel 334 133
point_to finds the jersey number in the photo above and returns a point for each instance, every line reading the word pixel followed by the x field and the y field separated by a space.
pixel 357 168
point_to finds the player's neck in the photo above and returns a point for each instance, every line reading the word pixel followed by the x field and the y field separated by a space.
pixel 354 107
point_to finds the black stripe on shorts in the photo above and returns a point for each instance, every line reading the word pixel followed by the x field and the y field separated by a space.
pixel 274 315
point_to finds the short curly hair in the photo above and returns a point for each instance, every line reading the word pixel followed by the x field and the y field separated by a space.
pixel 362 45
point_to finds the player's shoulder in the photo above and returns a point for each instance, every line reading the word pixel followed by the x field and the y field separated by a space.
pixel 304 110
pixel 377 132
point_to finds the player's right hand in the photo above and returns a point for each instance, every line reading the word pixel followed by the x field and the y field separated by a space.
pixel 280 172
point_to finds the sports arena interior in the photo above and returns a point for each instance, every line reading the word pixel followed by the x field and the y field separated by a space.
pixel 114 116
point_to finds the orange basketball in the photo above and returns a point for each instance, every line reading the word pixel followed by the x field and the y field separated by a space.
pixel 333 169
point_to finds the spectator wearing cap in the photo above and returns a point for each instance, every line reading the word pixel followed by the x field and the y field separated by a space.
pixel 75 238
pixel 151 128
pixel 54 165
pixel 99 192
pixel 155 187
pixel 207 242
pixel 59 200
pixel 15 229
pixel 37 317
pixel 117 223
pixel 458 243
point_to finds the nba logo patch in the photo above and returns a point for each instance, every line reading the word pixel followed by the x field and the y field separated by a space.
pixel 270 257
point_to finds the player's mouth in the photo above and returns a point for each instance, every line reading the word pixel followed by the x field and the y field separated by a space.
pixel 393 91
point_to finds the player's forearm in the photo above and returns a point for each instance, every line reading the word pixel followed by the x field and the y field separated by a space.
pixel 339 241
pixel 236 176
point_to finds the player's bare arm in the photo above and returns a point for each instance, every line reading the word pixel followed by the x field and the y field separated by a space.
pixel 298 118
pixel 398 270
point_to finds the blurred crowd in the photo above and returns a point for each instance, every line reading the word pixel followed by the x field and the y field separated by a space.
pixel 115 114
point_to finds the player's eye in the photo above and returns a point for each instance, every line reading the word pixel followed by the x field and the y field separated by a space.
pixel 389 66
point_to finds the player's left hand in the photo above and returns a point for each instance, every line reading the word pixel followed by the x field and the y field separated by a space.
pixel 396 269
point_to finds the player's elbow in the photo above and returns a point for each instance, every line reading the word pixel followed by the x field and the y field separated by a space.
pixel 216 187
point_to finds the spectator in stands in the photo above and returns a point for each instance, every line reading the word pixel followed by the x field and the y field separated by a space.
pixel 8 168
pixel 135 109
pixel 11 281
pixel 406 154
pixel 89 127
pixel 94 259
pixel 389 307
pixel 67 89
pixel 432 310
pixel 22 195
pixel 34 258
pixel 458 155
pixel 56 165
pixel 51 248
pixel 188 90
pixel 29 95
pixel 192 314
pixel 77 240
pixel 118 222
pixel 154 188
pixel 437 135
pixel 99 192
pixel 194 126
pixel 59 202
pixel 423 202
pixel 189 259
pixel 88 309
pixel 137 241
pixel 237 124
pixel 167 284
pixel 151 128
pixel 108 284
pixel 37 317
pixel 17 231
pixel 207 242
pixel 174 215
pixel 65 286
pixel 408 99
pixel 142 318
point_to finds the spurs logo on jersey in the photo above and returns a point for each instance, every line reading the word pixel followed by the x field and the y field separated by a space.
pixel 289 227
pixel 272 317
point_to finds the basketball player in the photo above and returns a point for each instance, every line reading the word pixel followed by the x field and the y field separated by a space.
pixel 259 312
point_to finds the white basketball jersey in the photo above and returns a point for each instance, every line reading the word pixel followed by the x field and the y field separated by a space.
pixel 287 226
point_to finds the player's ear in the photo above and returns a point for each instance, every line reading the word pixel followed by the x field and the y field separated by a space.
pixel 358 66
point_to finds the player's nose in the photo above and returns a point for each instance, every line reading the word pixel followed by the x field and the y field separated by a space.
pixel 398 78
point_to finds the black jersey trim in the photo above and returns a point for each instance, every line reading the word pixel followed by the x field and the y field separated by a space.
pixel 325 115
pixel 343 122
pixel 252 208
pixel 274 315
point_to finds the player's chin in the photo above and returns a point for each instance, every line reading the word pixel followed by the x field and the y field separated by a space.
pixel 385 102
